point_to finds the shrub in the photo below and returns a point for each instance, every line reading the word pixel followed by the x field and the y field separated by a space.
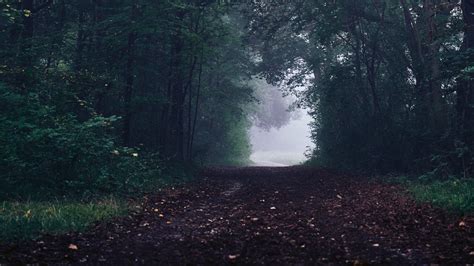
pixel 45 152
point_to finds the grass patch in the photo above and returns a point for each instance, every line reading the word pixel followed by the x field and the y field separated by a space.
pixel 29 220
pixel 52 213
pixel 456 195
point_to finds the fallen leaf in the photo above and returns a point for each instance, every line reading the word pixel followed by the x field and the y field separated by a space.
pixel 233 257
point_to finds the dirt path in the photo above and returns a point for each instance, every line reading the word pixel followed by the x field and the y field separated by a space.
pixel 263 215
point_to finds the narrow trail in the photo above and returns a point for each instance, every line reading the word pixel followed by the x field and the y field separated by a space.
pixel 266 215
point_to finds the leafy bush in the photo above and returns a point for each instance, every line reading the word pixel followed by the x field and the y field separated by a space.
pixel 46 152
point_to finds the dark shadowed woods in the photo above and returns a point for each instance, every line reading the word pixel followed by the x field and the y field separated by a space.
pixel 115 115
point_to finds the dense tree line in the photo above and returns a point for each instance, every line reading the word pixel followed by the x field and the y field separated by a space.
pixel 389 83
pixel 89 88
pixel 98 93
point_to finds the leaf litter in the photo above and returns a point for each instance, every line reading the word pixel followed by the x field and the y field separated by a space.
pixel 262 215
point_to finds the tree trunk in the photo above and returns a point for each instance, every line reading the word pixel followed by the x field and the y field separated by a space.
pixel 465 90
pixel 129 79
pixel 79 41
pixel 165 110
pixel 26 41
pixel 437 103
pixel 196 110
pixel 175 103
pixel 187 91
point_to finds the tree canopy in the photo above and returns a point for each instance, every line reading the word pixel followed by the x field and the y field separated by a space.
pixel 89 88
pixel 389 83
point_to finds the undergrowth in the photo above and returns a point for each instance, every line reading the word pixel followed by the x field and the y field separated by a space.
pixel 454 194
pixel 29 220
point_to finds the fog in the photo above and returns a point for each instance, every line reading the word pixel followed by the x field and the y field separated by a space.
pixel 282 143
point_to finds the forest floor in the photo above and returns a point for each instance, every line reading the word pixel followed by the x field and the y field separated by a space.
pixel 255 215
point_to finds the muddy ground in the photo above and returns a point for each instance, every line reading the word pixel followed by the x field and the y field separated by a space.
pixel 266 215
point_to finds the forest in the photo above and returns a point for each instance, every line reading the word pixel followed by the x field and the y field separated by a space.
pixel 108 104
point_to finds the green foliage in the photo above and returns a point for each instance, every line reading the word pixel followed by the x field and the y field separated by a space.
pixel 455 195
pixel 44 151
pixel 234 147
pixel 389 84
pixel 115 98
pixel 29 220
pixel 157 65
